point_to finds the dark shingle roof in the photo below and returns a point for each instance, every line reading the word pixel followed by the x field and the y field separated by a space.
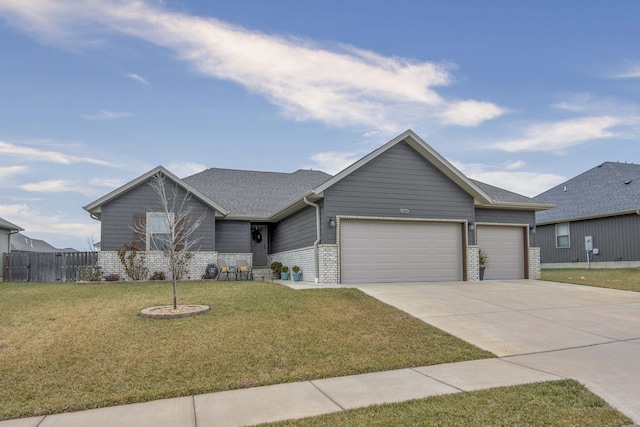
pixel 252 193
pixel 502 195
pixel 22 243
pixel 607 189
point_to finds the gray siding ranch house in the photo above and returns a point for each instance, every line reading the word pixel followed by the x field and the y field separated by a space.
pixel 400 214
pixel 596 220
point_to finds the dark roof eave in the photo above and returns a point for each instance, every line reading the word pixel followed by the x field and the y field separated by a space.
pixel 587 217
pixel 516 206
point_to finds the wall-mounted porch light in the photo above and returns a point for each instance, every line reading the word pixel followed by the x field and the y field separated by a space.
pixel 472 226
pixel 332 221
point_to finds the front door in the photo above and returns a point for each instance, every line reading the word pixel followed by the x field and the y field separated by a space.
pixel 259 238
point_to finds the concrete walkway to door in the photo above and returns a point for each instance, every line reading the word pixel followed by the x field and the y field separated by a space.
pixel 585 333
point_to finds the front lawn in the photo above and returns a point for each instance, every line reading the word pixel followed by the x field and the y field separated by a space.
pixel 66 347
pixel 557 403
pixel 626 279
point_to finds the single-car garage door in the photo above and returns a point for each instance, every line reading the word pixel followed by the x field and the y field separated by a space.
pixel 504 247
pixel 397 251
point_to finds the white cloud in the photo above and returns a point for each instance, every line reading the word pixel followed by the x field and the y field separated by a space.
pixel 515 164
pixel 52 186
pixel 629 71
pixel 557 136
pixel 6 171
pixel 341 87
pixel 470 113
pixel 106 115
pixel 333 162
pixel 185 169
pixel 32 154
pixel 138 78
pixel 107 182
pixel 526 183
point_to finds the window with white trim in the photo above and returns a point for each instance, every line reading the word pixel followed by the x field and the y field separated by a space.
pixel 562 235
pixel 158 230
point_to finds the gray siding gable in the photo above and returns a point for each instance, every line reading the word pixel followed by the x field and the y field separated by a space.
pixel 117 216
pixel 398 179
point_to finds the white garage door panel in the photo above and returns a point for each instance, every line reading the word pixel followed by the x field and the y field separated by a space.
pixel 504 247
pixel 386 251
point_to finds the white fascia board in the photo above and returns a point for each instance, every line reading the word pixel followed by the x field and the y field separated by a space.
pixel 95 207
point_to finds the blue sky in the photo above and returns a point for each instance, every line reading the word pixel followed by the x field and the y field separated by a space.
pixel 518 94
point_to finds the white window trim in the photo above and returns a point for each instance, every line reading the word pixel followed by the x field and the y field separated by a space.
pixel 568 235
pixel 148 236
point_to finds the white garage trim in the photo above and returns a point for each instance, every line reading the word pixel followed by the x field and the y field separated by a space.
pixel 505 246
pixel 400 250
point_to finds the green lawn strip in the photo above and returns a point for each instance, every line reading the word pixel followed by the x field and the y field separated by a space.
pixel 557 403
pixel 67 347
pixel 626 279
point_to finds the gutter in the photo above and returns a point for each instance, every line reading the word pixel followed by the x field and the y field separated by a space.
pixel 315 244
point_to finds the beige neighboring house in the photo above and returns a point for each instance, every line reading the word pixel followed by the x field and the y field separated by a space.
pixel 6 230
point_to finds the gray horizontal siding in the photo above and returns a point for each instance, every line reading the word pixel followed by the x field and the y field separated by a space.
pixel 117 217
pixel 294 232
pixel 398 179
pixel 617 238
pixel 505 216
pixel 233 236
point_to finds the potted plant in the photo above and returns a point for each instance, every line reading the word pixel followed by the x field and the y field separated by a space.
pixel 284 274
pixel 276 268
pixel 483 260
pixel 297 274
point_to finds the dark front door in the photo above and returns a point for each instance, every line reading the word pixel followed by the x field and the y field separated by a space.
pixel 259 238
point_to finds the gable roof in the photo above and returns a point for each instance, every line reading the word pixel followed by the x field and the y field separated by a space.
pixel 271 196
pixel 484 195
pixel 95 207
pixel 254 194
pixel 6 225
pixel 608 189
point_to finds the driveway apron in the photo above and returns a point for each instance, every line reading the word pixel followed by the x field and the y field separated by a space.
pixel 586 333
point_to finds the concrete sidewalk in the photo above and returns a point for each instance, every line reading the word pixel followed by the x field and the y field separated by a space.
pixel 298 400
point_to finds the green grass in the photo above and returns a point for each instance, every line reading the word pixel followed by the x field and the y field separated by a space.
pixel 627 279
pixel 67 347
pixel 558 403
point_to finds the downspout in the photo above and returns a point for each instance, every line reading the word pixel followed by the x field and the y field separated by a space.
pixel 315 244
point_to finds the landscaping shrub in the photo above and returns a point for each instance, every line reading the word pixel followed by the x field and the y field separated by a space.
pixel 133 262
pixel 89 273
pixel 158 275
pixel 112 277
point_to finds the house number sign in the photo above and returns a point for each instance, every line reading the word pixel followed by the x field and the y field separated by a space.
pixel 404 211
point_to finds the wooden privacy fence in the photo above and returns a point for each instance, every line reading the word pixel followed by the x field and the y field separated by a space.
pixel 46 266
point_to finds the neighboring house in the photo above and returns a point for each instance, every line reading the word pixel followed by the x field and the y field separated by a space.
pixel 22 243
pixel 402 213
pixel 602 203
pixel 7 229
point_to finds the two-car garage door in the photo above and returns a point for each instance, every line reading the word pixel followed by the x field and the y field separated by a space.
pixel 400 251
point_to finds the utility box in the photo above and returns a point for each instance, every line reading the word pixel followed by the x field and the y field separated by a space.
pixel 588 243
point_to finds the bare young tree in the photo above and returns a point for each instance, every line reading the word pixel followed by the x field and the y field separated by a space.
pixel 177 223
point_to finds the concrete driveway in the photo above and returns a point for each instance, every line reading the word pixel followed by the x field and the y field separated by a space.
pixel 580 332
